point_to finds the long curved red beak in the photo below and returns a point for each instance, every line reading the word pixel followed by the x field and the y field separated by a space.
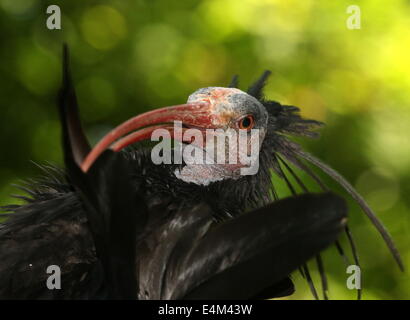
pixel 141 127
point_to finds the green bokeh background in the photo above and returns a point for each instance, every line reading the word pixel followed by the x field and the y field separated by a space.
pixel 131 56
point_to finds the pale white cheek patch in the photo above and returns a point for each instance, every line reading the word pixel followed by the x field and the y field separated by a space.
pixel 203 174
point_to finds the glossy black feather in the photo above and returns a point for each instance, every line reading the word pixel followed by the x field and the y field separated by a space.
pixel 69 113
pixel 114 208
pixel 189 256
pixel 241 257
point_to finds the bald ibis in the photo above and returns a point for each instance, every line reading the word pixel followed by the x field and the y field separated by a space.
pixel 121 227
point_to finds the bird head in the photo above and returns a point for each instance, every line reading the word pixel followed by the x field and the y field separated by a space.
pixel 231 108
pixel 214 112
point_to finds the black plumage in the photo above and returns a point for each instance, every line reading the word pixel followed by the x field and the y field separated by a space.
pixel 128 229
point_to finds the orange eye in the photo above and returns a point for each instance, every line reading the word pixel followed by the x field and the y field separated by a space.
pixel 247 122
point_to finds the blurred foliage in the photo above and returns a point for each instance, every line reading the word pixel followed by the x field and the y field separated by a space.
pixel 131 56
